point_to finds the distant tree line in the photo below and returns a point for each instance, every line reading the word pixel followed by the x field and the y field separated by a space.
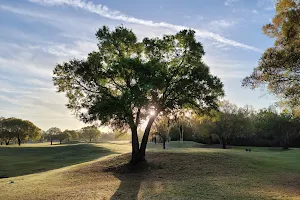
pixel 231 125
pixel 86 134
pixel 20 131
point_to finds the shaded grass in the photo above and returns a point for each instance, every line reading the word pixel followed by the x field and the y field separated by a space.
pixel 16 161
pixel 177 173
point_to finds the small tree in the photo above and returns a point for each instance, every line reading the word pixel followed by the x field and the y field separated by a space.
pixel 62 136
pixel 72 134
pixel 90 133
pixel 162 129
pixel 229 122
pixel 52 134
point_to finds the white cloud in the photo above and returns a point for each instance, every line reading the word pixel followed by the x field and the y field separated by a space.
pixel 230 2
pixel 200 17
pixel 255 12
pixel 23 67
pixel 222 23
pixel 33 96
pixel 106 12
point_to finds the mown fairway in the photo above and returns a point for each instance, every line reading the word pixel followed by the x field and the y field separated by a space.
pixel 187 172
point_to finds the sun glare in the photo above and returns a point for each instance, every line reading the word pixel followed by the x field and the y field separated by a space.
pixel 152 113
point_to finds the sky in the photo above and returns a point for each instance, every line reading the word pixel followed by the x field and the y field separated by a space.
pixel 35 35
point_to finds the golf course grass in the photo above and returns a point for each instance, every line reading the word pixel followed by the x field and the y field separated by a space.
pixel 182 171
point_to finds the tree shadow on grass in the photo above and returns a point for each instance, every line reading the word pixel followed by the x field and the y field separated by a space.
pixel 195 176
pixel 27 160
pixel 128 189
pixel 131 176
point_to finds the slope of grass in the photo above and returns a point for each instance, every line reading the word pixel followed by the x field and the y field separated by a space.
pixel 189 172
pixel 33 158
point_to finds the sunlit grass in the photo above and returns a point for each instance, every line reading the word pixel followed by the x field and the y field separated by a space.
pixel 187 172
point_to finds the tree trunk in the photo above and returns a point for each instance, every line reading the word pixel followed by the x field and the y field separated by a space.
pixel 223 145
pixel 19 141
pixel 285 145
pixel 222 141
pixel 6 142
pixel 181 132
pixel 164 144
pixel 59 141
pixel 90 140
pixel 142 151
pixel 51 141
pixel 134 144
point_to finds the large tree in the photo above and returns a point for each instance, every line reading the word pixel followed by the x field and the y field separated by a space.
pixel 121 82
pixel 19 129
pixel 279 66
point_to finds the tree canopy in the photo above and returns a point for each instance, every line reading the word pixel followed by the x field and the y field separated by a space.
pixel 90 133
pixel 120 83
pixel 19 129
pixel 52 134
pixel 279 66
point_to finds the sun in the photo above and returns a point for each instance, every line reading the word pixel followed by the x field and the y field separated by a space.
pixel 152 112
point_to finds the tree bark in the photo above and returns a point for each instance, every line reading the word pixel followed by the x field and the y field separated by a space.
pixel 51 141
pixel 164 144
pixel 90 140
pixel 223 145
pixel 19 141
pixel 142 151
pixel 134 144
pixel 59 141
pixel 7 143
pixel 285 145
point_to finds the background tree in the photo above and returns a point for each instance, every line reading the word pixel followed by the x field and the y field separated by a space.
pixel 19 129
pixel 181 128
pixel 121 82
pixel 283 126
pixel 162 129
pixel 71 134
pixel 279 66
pixel 52 134
pixel 63 136
pixel 90 133
pixel 229 123
pixel 6 134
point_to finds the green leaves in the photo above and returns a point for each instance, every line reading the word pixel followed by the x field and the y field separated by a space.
pixel 120 82
pixel 18 128
pixel 279 66
pixel 90 133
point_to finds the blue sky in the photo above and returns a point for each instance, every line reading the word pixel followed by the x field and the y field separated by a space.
pixel 35 35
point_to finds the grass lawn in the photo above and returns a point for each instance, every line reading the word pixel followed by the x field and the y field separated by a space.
pixel 33 158
pixel 181 172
